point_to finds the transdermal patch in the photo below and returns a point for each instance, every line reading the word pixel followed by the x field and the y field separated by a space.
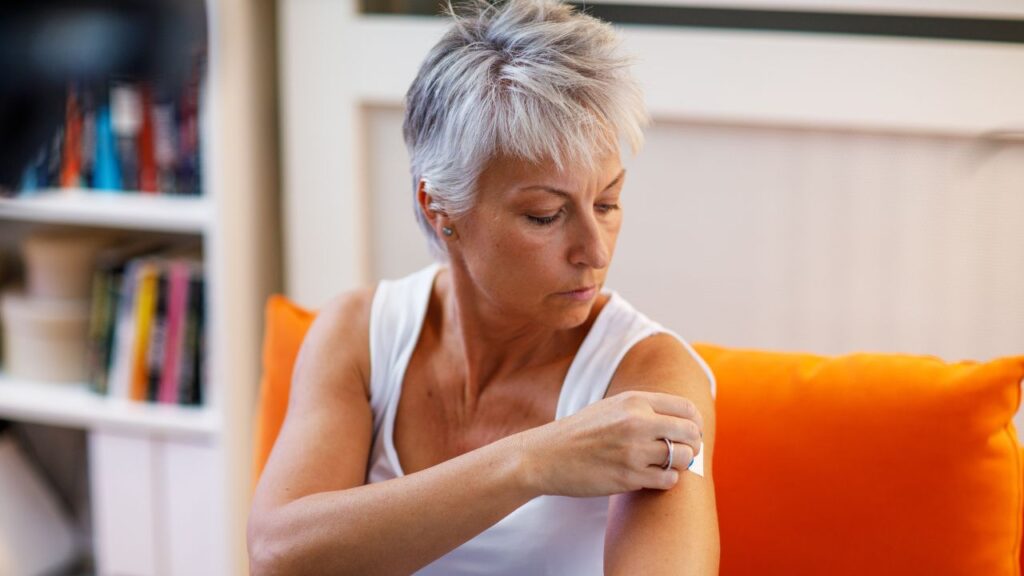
pixel 697 466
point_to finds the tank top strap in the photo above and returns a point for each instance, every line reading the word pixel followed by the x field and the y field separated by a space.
pixel 396 317
pixel 616 330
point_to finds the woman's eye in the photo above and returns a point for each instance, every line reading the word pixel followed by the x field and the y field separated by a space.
pixel 607 207
pixel 544 220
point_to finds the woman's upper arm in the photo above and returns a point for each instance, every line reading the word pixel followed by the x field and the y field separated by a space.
pixel 671 531
pixel 324 442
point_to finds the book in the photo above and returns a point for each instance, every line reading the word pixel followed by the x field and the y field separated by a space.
pixel 124 336
pixel 187 383
pixel 165 146
pixel 51 170
pixel 148 177
pixel 199 365
pixel 101 327
pixel 145 299
pixel 107 170
pixel 179 272
pixel 188 175
pixel 126 121
pixel 70 173
pixel 157 333
pixel 87 153
pixel 30 176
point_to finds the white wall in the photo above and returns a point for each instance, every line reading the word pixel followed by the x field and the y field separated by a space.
pixel 338 66
pixel 790 239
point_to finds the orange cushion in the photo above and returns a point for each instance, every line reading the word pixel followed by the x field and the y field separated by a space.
pixel 866 464
pixel 859 464
pixel 285 325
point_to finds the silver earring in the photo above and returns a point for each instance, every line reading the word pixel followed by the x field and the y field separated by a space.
pixel 447 231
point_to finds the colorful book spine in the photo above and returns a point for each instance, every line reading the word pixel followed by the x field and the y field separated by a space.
pixel 148 177
pixel 107 170
pixel 53 163
pixel 124 338
pixel 187 384
pixel 157 334
pixel 145 306
pixel 165 146
pixel 104 299
pixel 199 365
pixel 107 358
pixel 30 177
pixel 178 273
pixel 87 153
pixel 187 177
pixel 126 120
pixel 70 173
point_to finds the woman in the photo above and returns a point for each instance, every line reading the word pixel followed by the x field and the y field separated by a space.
pixel 500 412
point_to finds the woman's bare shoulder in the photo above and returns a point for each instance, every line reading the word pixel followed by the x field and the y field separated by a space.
pixel 348 309
pixel 660 363
pixel 340 335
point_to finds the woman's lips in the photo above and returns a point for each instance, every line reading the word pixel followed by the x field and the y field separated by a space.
pixel 580 295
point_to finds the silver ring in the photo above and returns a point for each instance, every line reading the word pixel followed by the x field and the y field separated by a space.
pixel 671 454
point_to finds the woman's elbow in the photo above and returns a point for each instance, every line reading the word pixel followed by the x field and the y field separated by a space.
pixel 266 557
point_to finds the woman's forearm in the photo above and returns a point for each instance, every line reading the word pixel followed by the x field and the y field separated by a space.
pixel 397 526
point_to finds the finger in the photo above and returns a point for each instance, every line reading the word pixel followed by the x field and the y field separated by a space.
pixel 658 479
pixel 672 405
pixel 682 454
pixel 676 429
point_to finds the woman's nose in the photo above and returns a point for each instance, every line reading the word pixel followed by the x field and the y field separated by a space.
pixel 589 246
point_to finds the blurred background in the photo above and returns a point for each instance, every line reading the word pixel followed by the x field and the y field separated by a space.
pixel 823 176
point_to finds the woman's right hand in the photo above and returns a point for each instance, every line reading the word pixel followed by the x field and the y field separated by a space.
pixel 613 445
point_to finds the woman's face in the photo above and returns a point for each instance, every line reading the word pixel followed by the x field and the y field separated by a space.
pixel 536 235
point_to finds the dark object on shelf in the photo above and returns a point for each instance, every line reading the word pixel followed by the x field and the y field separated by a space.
pixel 46 45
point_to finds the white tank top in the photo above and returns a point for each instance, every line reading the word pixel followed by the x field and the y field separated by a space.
pixel 549 535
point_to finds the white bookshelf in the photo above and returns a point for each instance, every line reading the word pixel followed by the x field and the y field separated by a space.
pixel 170 485
pixel 74 405
pixel 115 209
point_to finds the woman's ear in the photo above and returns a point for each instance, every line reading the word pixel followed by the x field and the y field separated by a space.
pixel 433 212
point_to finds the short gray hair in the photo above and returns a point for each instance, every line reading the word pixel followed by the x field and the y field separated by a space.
pixel 532 79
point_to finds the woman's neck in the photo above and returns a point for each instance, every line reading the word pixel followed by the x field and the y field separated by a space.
pixel 488 344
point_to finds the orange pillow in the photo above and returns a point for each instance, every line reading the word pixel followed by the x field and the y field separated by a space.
pixel 866 464
pixel 285 326
pixel 859 464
